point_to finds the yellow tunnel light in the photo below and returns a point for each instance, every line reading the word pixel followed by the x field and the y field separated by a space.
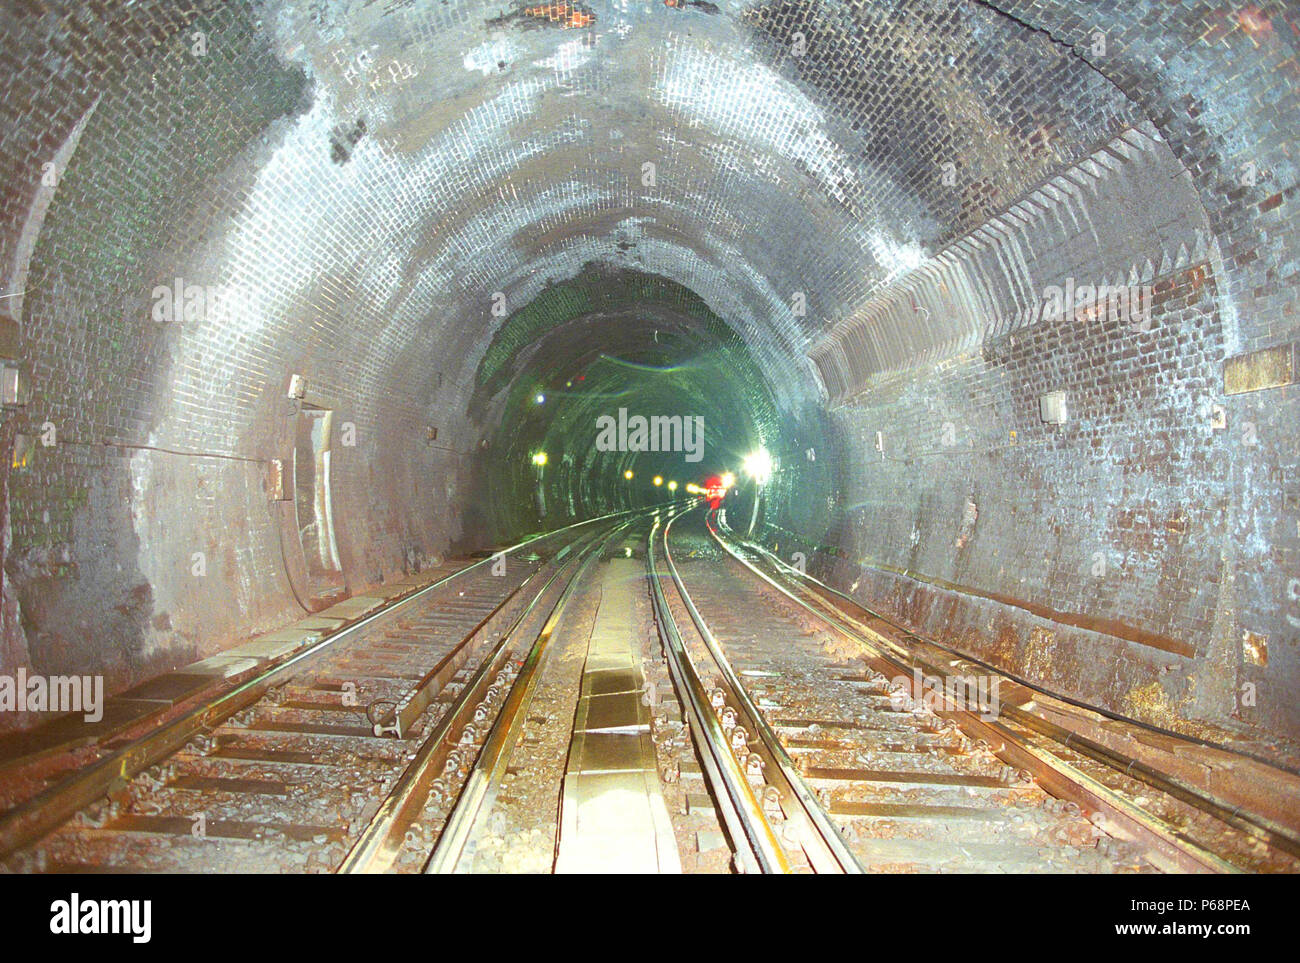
pixel 628 474
pixel 728 480
pixel 539 459
pixel 672 486
pixel 658 480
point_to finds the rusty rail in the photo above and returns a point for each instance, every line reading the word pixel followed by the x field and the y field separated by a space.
pixel 1120 815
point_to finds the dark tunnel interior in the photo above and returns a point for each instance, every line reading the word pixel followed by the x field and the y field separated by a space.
pixel 615 340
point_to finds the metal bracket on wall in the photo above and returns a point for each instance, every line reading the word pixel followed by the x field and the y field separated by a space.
pixel 15 382
pixel 276 489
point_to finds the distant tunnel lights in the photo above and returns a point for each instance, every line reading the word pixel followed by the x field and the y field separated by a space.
pixel 758 466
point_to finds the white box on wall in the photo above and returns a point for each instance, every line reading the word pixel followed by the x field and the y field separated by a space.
pixel 1052 408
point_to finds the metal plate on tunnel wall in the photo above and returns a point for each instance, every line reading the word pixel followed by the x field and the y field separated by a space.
pixel 1268 368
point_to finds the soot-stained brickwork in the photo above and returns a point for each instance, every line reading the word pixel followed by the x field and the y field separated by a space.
pixel 1097 556
pixel 862 207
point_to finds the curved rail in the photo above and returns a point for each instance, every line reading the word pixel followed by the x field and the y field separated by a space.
pixel 490 765
pixel 31 820
pixel 824 846
pixel 1062 777
pixel 757 846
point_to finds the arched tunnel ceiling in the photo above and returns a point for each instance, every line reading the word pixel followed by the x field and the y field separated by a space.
pixel 642 319
pixel 376 197
pixel 656 138
pixel 448 154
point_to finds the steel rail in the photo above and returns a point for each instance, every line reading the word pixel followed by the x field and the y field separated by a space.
pixel 757 846
pixel 1256 826
pixel 399 720
pixel 31 820
pixel 828 591
pixel 1068 780
pixel 824 846
pixel 379 845
pixel 490 765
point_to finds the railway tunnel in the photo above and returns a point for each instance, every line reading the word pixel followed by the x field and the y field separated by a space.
pixel 986 310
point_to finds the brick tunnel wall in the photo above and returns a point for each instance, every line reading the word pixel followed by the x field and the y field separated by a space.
pixel 1142 557
pixel 1095 557
pixel 369 179
pixel 141 530
pixel 1138 557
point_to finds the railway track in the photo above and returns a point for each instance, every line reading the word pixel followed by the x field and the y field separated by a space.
pixel 557 716
pixel 340 757
pixel 835 742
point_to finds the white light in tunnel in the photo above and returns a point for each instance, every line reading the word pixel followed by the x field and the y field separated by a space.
pixel 541 398
pixel 672 486
pixel 758 466
pixel 728 480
